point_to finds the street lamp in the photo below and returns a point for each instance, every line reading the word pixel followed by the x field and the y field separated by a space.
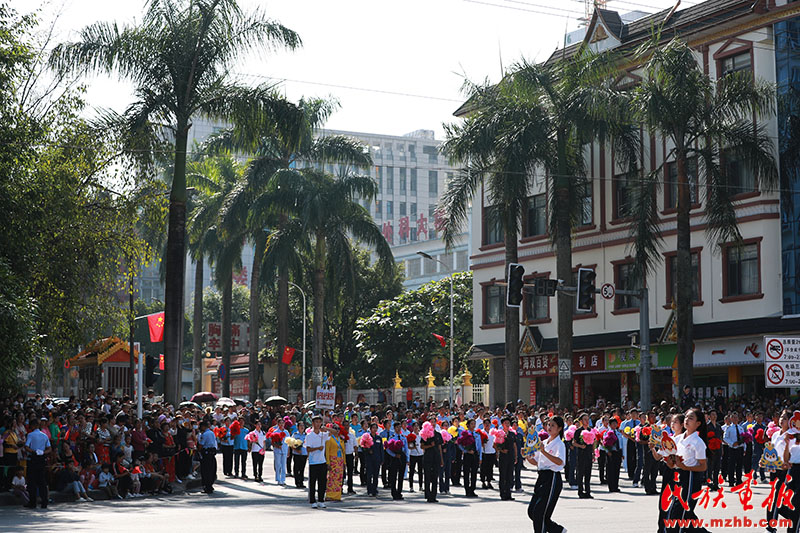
pixel 303 381
pixel 427 256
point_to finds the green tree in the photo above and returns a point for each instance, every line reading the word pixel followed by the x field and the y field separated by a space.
pixel 712 121
pixel 538 117
pixel 398 335
pixel 179 58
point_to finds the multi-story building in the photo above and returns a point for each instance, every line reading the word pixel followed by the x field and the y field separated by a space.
pixel 411 175
pixel 741 292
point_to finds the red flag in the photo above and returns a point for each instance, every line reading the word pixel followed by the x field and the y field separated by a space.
pixel 442 340
pixel 288 352
pixel 156 323
pixel 161 361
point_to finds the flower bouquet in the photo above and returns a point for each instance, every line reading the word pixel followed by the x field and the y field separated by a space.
pixel 220 432
pixel 499 435
pixel 588 436
pixel 276 437
pixel 236 428
pixel 544 435
pixel 714 443
pixel 610 439
pixel 251 437
pixel 446 436
pixel 747 436
pixel 772 428
pixel 453 431
pixel 427 431
pixel 484 436
pixel 394 445
pixel 411 438
pixel 761 437
pixel 466 440
pixel 569 434
pixel 366 441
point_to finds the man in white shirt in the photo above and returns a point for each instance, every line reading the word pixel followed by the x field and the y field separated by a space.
pixel 317 467
pixel 349 454
pixel 733 438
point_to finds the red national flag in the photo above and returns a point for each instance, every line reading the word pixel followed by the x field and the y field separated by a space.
pixel 161 361
pixel 288 352
pixel 156 323
pixel 442 340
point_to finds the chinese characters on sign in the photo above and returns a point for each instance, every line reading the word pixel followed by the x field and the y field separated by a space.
pixel 588 361
pixel 326 397
pixel 240 337
pixel 538 365
pixel 782 361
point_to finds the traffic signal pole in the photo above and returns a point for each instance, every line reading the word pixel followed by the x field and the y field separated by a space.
pixel 645 358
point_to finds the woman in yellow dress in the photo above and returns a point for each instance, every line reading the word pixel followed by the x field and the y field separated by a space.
pixel 334 456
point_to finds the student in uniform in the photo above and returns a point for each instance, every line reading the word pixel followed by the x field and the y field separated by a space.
pixel 550 461
pixel 489 454
pixel 584 459
pixel 373 457
pixel 779 442
pixel 433 462
pixel 397 462
pixel 667 467
pixel 507 454
pixel 691 461
pixel 317 466
pixel 791 456
pixel 614 454
pixel 471 460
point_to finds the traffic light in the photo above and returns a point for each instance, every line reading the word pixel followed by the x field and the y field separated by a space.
pixel 586 288
pixel 544 287
pixel 149 371
pixel 515 284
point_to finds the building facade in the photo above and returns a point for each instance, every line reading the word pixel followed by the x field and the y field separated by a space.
pixel 741 293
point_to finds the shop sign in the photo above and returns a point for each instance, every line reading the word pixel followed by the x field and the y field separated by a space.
pixel 585 362
pixel 623 359
pixel 538 365
pixel 726 352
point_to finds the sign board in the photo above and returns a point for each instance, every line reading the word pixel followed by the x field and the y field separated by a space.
pixel 782 362
pixel 623 359
pixel 607 291
pixel 538 365
pixel 240 337
pixel 533 392
pixel 326 397
pixel 586 362
pixel 564 368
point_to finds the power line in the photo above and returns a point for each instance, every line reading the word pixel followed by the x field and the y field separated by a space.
pixel 538 12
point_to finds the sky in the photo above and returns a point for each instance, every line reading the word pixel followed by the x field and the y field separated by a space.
pixel 394 66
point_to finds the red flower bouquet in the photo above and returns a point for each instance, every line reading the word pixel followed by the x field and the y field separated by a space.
pixel 411 437
pixel 609 439
pixel 761 438
pixel 220 432
pixel 276 437
pixel 236 428
pixel 366 441
pixel 394 445
pixel 484 435
pixel 465 439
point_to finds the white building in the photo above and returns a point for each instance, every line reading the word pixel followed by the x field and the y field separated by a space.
pixel 741 294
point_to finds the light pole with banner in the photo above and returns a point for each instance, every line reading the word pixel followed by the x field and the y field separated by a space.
pixel 303 377
pixel 451 272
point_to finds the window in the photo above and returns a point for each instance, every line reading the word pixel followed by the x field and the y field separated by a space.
pixel 412 152
pixel 413 234
pixel 429 267
pixel 536 307
pixel 402 180
pixel 389 209
pixel 431 224
pixel 413 211
pixel 432 152
pixel 447 259
pixel 585 198
pixel 414 268
pixel 495 303
pixel 413 182
pixel 623 274
pixel 379 177
pixel 536 217
pixel 672 277
pixel 389 180
pixel 626 194
pixel 492 226
pixel 742 270
pixel 402 209
pixel 462 261
pixel 378 212
pixel 740 177
pixel 433 183
pixel 671 185
pixel 737 63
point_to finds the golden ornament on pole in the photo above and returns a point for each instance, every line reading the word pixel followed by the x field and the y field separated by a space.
pixel 430 377
pixel 397 380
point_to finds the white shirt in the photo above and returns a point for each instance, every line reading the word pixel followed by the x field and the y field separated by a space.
pixel 417 450
pixel 261 439
pixel 316 440
pixel 555 448
pixel 779 441
pixel 794 453
pixel 692 449
pixel 488 446
pixel 350 445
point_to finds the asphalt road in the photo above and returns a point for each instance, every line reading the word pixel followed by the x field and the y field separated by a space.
pixel 239 505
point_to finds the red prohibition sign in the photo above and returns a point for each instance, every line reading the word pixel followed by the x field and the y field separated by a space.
pixel 775 349
pixel 775 374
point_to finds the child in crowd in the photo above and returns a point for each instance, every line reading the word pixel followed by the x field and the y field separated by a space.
pixel 88 475
pixel 108 483
pixel 136 483
pixel 72 483
pixel 18 486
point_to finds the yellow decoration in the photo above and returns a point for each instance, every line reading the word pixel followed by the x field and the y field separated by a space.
pixel 463 424
pixel 453 431
pixel 352 381
pixel 397 380
pixel 275 382
pixel 467 378
pixel 430 377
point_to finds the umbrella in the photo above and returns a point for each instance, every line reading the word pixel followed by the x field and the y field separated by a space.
pixel 225 402
pixel 276 401
pixel 190 404
pixel 310 404
pixel 201 397
pixel 239 401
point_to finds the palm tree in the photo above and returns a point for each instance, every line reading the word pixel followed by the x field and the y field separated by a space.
pixel 277 146
pixel 710 121
pixel 538 116
pixel 179 59
pixel 324 216
pixel 216 178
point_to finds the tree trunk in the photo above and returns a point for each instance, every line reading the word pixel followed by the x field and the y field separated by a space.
pixel 684 278
pixel 255 316
pixel 319 310
pixel 197 327
pixel 565 302
pixel 283 330
pixel 176 264
pixel 511 370
pixel 227 296
pixel 131 332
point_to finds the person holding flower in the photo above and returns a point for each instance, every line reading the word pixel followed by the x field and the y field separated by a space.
pixel 300 455
pixel 277 435
pixel 691 461
pixel 415 457
pixel 506 445
pixel 469 442
pixel 550 461
pixel 317 466
pixel 612 442
pixel 397 451
pixel 373 457
pixel 583 441
pixel 257 440
pixel 433 459
pixel 334 457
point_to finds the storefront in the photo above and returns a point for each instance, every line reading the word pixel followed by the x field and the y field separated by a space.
pixel 539 376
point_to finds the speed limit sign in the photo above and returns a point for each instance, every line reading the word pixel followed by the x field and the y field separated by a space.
pixel 607 291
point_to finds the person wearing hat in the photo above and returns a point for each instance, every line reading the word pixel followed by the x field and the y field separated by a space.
pixel 37 444
pixel 207 444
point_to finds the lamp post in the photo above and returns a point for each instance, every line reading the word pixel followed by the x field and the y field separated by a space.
pixel 303 380
pixel 427 256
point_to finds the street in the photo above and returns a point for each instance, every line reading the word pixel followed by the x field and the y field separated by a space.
pixel 239 505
